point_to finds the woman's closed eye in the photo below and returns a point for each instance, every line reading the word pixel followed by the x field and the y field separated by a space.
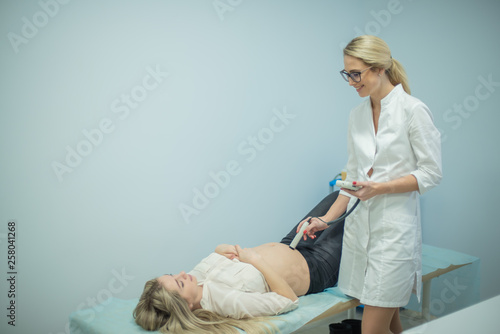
pixel 180 284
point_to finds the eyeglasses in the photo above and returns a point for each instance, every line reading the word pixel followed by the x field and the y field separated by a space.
pixel 355 76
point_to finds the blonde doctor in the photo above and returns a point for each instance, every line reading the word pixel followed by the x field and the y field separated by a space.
pixel 395 155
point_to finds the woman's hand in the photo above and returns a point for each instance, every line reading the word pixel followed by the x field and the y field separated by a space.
pixel 247 255
pixel 275 281
pixel 228 251
pixel 315 225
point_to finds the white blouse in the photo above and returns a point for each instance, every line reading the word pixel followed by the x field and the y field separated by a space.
pixel 236 289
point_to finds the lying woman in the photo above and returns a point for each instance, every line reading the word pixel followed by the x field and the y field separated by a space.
pixel 235 287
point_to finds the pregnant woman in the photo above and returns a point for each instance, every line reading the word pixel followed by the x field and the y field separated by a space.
pixel 236 287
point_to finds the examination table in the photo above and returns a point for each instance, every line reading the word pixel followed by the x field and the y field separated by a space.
pixel 454 277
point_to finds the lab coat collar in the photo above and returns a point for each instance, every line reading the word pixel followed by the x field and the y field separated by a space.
pixel 393 94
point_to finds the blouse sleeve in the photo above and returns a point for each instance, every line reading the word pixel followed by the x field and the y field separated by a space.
pixel 237 304
pixel 425 141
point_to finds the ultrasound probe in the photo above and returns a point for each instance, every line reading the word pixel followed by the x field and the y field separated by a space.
pixel 300 234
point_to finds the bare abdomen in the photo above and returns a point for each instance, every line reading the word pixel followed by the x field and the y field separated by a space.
pixel 288 263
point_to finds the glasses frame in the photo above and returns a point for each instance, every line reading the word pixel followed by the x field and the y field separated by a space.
pixel 346 75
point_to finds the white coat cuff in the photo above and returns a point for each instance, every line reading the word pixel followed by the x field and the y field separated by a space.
pixel 342 192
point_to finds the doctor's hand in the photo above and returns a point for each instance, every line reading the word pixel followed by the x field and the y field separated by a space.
pixel 315 225
pixel 370 189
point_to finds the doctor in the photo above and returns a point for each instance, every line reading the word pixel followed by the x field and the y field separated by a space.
pixel 395 155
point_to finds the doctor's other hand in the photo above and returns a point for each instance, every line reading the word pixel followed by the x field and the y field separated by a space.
pixel 369 189
pixel 315 225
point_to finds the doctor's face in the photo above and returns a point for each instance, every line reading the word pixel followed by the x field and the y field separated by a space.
pixel 369 79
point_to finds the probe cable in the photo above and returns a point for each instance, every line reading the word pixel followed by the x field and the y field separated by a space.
pixel 341 217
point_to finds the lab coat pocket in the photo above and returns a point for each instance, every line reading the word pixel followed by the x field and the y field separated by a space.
pixel 353 223
pixel 400 236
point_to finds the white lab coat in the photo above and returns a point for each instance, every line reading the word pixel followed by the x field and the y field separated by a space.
pixel 381 253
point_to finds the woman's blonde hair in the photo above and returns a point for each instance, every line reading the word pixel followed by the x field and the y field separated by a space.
pixel 166 311
pixel 373 51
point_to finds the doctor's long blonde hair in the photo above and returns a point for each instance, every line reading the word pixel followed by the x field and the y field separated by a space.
pixel 166 311
pixel 374 52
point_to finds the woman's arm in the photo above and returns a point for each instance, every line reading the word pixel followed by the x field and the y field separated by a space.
pixel 274 280
pixel 315 225
pixel 338 208
pixel 226 250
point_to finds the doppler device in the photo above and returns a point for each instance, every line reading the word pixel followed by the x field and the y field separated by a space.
pixel 347 185
pixel 340 184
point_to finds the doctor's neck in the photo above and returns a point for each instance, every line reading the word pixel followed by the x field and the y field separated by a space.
pixel 378 95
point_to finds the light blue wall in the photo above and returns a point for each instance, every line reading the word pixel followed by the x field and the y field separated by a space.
pixel 221 78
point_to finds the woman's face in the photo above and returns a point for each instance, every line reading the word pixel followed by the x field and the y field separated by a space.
pixel 370 81
pixel 186 285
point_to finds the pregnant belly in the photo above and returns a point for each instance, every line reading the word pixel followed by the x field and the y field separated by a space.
pixel 288 263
